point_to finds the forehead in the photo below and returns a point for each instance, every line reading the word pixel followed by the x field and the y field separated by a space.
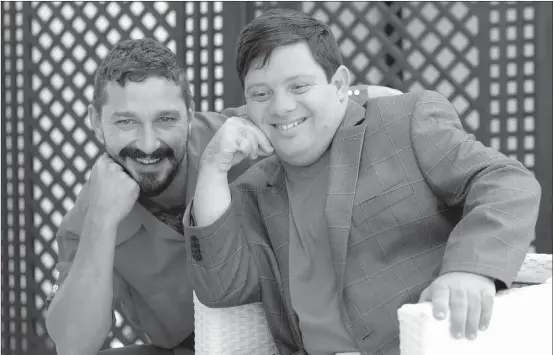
pixel 285 62
pixel 153 93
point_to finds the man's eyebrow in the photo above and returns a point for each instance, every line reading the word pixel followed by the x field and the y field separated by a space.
pixel 249 87
pixel 130 114
pixel 127 114
pixel 168 113
pixel 292 78
pixel 302 76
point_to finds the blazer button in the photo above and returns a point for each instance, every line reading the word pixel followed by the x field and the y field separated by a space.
pixel 197 255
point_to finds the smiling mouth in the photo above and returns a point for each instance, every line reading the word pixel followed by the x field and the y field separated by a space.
pixel 289 126
pixel 148 161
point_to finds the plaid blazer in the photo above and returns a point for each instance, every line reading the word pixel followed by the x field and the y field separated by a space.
pixel 411 196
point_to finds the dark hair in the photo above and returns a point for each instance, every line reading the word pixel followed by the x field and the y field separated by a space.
pixel 137 60
pixel 279 27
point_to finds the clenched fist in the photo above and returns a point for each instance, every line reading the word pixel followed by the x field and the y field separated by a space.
pixel 237 139
pixel 113 192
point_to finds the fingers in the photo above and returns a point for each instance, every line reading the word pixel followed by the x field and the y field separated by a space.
pixel 114 167
pixel 374 91
pixel 487 308
pixel 260 138
pixel 105 162
pixel 440 300
pixel 459 309
pixel 247 144
pixel 473 315
pixel 253 142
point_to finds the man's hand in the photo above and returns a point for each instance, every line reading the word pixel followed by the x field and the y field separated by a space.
pixel 468 296
pixel 237 139
pixel 113 192
pixel 374 91
pixel 362 92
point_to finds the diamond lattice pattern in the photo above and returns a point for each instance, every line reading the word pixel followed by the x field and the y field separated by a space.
pixel 409 46
pixel 70 41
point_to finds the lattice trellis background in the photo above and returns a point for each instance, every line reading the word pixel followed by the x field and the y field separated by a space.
pixel 483 57
pixel 66 42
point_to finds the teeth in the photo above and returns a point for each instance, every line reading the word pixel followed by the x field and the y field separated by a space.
pixel 287 127
pixel 147 160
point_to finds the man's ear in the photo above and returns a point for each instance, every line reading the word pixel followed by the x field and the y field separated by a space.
pixel 95 121
pixel 341 80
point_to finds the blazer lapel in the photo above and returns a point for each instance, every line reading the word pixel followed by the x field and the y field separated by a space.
pixel 345 156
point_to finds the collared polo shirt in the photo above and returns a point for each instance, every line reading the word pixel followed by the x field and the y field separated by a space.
pixel 150 281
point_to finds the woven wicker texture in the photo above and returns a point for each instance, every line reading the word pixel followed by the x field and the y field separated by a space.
pixel 232 331
pixel 535 269
pixel 244 330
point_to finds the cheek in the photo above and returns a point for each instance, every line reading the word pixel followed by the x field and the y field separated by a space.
pixel 176 138
pixel 257 113
pixel 116 139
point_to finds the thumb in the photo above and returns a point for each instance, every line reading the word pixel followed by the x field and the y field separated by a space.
pixel 426 295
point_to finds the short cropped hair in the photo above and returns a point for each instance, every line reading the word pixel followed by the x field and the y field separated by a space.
pixel 137 60
pixel 279 27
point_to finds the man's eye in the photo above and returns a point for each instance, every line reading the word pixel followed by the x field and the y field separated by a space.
pixel 124 122
pixel 261 96
pixel 299 88
pixel 166 119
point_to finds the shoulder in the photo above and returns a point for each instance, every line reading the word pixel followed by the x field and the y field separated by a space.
pixel 384 110
pixel 207 123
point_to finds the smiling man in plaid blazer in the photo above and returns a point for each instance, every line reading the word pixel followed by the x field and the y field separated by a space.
pixel 363 208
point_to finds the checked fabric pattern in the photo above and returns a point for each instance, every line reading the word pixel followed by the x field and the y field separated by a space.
pixel 403 173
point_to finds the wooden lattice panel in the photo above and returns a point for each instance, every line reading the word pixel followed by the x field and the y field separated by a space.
pixel 512 68
pixel 409 46
pixel 70 39
pixel 204 53
pixel 17 308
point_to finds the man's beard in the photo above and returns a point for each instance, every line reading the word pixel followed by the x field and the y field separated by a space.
pixel 149 182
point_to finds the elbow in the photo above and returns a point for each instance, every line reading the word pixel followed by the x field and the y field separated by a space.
pixel 532 188
pixel 70 338
pixel 536 187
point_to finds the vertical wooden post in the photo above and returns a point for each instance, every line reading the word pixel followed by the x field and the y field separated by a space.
pixel 544 131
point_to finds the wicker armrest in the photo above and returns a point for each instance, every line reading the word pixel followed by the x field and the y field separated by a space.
pixel 232 331
pixel 521 322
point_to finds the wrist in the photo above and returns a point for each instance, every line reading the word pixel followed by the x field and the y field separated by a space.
pixel 211 173
pixel 101 221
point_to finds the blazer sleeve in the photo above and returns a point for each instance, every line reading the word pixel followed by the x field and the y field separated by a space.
pixel 222 256
pixel 499 196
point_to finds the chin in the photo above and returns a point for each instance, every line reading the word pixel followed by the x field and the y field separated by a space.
pixel 297 159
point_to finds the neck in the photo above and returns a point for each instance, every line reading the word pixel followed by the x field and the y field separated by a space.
pixel 175 193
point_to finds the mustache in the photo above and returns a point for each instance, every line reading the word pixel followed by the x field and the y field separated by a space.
pixel 134 153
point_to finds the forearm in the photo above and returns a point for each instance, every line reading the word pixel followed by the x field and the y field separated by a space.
pixel 221 264
pixel 212 196
pixel 80 314
pixel 497 227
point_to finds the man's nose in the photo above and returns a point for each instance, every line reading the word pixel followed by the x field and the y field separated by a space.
pixel 149 141
pixel 282 103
